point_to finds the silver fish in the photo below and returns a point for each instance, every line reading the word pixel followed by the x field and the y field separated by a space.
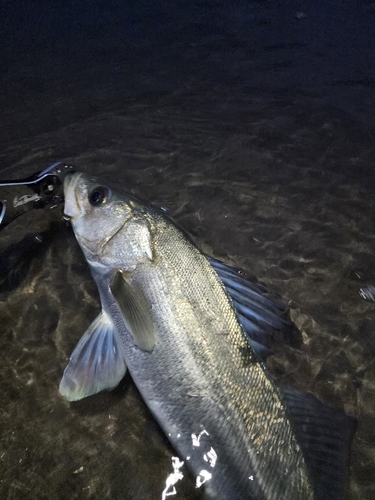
pixel 167 318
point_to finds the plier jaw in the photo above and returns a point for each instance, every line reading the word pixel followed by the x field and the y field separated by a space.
pixel 37 191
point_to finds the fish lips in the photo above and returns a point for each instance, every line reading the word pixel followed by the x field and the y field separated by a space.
pixel 72 207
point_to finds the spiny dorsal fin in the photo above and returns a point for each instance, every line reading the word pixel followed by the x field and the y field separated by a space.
pixel 264 320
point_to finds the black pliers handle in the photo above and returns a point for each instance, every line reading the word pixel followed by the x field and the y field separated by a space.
pixel 37 191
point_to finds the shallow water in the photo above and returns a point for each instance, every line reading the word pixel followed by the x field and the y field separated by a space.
pixel 254 129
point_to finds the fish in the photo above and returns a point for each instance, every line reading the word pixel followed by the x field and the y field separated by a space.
pixel 180 323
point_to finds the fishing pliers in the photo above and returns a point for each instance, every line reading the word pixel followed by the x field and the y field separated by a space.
pixel 37 191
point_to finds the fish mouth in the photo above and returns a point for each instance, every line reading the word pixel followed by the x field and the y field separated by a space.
pixel 72 207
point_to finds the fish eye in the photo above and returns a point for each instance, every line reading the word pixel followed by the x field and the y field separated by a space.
pixel 99 196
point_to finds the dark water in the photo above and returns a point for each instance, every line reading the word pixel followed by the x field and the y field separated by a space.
pixel 252 122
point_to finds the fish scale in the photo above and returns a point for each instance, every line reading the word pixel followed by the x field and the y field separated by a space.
pixel 178 334
pixel 236 385
pixel 239 381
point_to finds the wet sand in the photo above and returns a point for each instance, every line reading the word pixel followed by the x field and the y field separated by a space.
pixel 252 123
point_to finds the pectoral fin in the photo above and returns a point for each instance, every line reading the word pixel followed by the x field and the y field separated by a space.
pixel 97 362
pixel 135 313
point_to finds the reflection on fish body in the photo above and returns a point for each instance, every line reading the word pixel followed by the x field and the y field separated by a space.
pixel 166 316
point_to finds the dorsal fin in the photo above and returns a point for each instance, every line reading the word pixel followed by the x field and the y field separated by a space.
pixel 264 320
pixel 324 434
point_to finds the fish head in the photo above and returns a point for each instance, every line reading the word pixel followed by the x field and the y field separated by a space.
pixel 110 226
